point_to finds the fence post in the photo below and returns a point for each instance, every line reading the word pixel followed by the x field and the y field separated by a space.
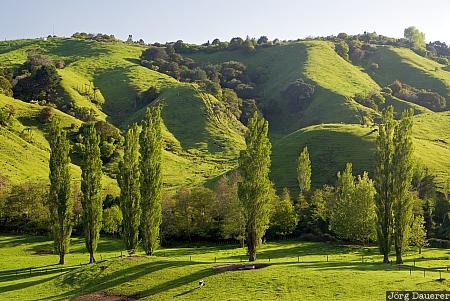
pixel 215 259
pixel 269 259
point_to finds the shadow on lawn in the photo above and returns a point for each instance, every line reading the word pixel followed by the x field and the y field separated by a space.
pixel 18 240
pixel 94 280
pixel 25 284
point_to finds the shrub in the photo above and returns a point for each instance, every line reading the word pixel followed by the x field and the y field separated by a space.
pixel 46 114
pixel 299 94
pixel 342 49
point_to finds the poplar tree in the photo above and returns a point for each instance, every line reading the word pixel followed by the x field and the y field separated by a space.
pixel 304 171
pixel 393 176
pixel 383 181
pixel 129 183
pixel 151 178
pixel 401 182
pixel 91 189
pixel 255 191
pixel 59 199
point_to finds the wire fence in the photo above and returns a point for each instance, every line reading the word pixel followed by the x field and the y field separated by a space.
pixel 411 266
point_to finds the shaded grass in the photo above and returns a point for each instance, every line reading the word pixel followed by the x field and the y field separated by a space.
pixel 297 270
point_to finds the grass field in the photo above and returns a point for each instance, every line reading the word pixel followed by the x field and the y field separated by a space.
pixel 295 271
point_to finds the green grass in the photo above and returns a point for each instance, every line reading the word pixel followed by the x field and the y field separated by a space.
pixel 408 67
pixel 331 146
pixel 296 271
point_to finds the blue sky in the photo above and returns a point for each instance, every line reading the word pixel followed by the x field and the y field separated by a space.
pixel 201 20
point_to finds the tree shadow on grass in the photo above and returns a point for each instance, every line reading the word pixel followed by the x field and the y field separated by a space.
pixel 90 281
pixel 25 284
pixel 18 240
pixel 172 284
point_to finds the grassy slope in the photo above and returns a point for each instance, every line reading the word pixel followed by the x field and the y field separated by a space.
pixel 171 274
pixel 24 159
pixel 207 141
pixel 331 146
pixel 336 81
pixel 410 68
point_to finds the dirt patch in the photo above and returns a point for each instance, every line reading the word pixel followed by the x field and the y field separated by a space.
pixel 104 297
pixel 240 267
pixel 134 257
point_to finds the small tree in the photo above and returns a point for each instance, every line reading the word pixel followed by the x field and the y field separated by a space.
pixel 129 183
pixel 112 219
pixel 226 192
pixel 415 38
pixel 284 218
pixel 418 234
pixel 353 215
pixel 59 200
pixel 304 171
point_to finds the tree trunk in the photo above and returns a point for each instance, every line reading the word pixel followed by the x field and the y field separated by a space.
pixel 251 244
pixel 61 258
pixel 91 257
pixel 420 250
pixel 398 254
pixel 385 257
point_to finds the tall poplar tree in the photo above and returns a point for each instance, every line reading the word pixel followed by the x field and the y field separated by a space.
pixel 59 200
pixel 304 171
pixel 383 181
pixel 151 178
pixel 255 191
pixel 129 183
pixel 401 184
pixel 91 189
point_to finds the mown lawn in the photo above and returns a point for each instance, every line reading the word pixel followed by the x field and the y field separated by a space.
pixel 295 271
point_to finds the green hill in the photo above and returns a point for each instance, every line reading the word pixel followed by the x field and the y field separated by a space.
pixel 410 68
pixel 203 140
pixel 336 81
pixel 331 146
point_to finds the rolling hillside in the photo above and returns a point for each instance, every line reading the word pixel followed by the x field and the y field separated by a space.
pixel 410 68
pixel 331 146
pixel 203 140
pixel 206 141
